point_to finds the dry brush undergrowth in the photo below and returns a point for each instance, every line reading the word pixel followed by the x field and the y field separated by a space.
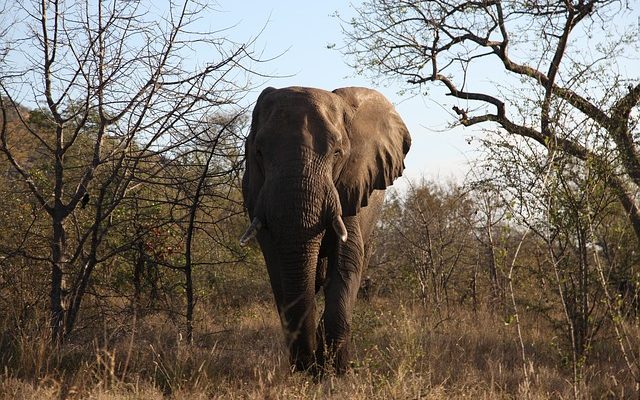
pixel 402 350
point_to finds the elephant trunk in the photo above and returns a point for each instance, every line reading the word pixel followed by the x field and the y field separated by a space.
pixel 297 223
pixel 298 304
pixel 301 207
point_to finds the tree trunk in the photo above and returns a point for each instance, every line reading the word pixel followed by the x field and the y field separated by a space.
pixel 492 265
pixel 57 293
pixel 188 263
pixel 582 304
pixel 138 270
pixel 190 303
pixel 77 295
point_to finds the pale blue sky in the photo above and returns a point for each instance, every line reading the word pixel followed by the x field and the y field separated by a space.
pixel 296 35
pixel 301 34
pixel 302 31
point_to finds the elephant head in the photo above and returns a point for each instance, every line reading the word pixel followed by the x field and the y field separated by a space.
pixel 313 159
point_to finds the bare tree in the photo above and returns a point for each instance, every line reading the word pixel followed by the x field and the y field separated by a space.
pixel 425 229
pixel 519 65
pixel 204 176
pixel 113 83
pixel 553 84
pixel 487 221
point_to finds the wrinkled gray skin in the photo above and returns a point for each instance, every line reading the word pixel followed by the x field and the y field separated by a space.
pixel 317 166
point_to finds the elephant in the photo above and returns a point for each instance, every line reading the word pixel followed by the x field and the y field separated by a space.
pixel 317 164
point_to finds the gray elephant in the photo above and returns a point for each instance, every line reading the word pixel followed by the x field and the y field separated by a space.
pixel 317 164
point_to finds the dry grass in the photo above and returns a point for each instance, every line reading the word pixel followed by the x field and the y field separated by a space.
pixel 402 351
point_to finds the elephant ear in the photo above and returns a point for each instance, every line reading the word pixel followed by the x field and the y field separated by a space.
pixel 253 177
pixel 379 141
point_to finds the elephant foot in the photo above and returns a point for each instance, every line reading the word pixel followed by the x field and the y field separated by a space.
pixel 341 360
pixel 335 359
pixel 317 370
pixel 302 364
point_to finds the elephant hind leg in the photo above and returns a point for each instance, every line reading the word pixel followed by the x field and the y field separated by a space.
pixel 321 273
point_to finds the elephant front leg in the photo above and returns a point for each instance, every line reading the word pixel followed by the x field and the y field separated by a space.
pixel 341 290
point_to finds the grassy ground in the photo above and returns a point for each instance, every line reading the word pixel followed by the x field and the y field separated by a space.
pixel 402 351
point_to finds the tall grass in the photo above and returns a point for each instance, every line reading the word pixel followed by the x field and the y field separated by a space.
pixel 401 350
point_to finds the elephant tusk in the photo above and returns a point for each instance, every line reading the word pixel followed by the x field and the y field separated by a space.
pixel 339 227
pixel 251 232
